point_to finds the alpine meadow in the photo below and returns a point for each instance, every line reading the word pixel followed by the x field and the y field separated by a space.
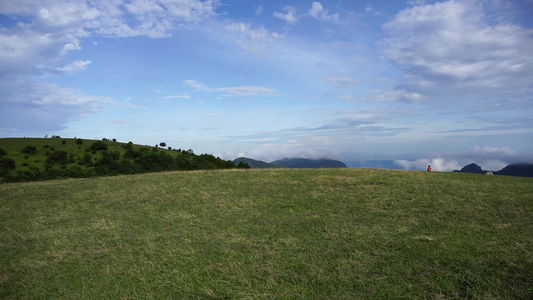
pixel 335 145
pixel 268 234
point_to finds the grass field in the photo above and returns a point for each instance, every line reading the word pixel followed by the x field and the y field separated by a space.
pixel 269 234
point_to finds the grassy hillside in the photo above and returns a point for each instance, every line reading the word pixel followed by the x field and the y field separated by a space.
pixel 30 159
pixel 276 234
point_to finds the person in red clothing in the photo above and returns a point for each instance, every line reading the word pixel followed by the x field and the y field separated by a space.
pixel 429 168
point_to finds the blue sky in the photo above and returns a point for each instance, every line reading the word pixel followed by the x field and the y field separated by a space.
pixel 419 82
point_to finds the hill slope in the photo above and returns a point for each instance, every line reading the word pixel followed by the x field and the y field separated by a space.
pixel 275 234
pixel 30 159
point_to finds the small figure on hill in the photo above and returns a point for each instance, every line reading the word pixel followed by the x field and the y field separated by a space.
pixel 429 168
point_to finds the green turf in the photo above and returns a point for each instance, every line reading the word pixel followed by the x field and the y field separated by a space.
pixel 269 234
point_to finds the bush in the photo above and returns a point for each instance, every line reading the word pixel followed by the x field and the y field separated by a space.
pixel 79 141
pixel 60 157
pixel 63 142
pixel 2 152
pixel 98 145
pixel 86 160
pixel 29 150
pixel 7 164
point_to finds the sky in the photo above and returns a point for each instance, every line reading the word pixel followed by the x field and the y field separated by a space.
pixel 419 82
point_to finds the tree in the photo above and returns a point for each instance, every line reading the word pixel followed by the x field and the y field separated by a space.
pixel 243 165
pixel 163 144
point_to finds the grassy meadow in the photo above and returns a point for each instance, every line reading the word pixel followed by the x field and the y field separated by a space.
pixel 269 234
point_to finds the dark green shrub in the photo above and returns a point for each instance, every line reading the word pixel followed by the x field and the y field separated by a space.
pixel 98 145
pixel 29 150
pixel 79 141
pixel 2 152
pixel 60 157
pixel 243 165
pixel 7 164
pixel 86 160
pixel 63 142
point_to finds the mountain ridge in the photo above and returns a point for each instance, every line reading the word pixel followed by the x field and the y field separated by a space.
pixel 306 163
pixel 515 169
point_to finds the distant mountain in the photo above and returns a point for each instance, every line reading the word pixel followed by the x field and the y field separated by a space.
pixel 374 164
pixel 522 170
pixel 309 163
pixel 256 164
pixel 471 168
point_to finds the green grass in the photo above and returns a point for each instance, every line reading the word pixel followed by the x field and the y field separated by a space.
pixel 269 234
pixel 13 147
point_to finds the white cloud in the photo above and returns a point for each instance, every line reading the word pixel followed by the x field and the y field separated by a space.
pixel 488 158
pixel 259 10
pixel 290 16
pixel 437 164
pixel 318 12
pixel 36 107
pixel 454 50
pixel 341 81
pixel 75 66
pixel 198 86
pixel 246 91
pixel 184 96
pixel 50 29
pixel 232 91
pixel 248 38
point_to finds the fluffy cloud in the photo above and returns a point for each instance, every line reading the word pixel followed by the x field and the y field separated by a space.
pixel 437 164
pixel 457 50
pixel 290 16
pixel 75 66
pixel 318 12
pixel 248 38
pixel 37 45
